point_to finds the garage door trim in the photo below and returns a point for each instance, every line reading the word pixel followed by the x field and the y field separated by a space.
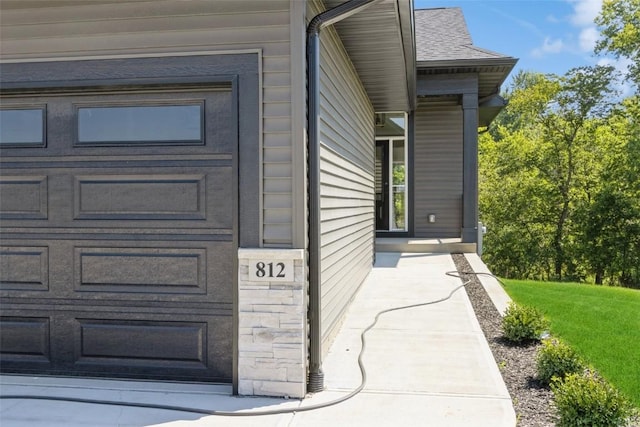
pixel 195 72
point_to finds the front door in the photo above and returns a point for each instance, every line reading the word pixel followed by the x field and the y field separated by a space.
pixel 390 181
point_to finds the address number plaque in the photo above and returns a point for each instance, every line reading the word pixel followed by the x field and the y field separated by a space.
pixel 266 270
pixel 270 265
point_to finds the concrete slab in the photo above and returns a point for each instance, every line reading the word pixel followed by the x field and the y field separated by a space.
pixel 23 413
pixel 406 409
pixel 425 365
pixel 418 245
pixel 494 289
pixel 428 365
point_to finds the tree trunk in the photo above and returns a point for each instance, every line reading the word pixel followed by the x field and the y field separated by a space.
pixel 557 239
pixel 599 277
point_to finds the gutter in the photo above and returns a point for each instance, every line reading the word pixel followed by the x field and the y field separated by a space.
pixel 325 19
pixel 507 62
pixel 504 61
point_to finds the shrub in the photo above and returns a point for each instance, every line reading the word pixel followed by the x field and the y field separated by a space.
pixel 522 324
pixel 588 400
pixel 556 359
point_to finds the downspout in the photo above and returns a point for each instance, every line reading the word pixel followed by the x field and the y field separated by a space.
pixel 320 21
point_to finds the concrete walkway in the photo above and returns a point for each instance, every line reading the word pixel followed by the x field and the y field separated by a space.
pixel 428 366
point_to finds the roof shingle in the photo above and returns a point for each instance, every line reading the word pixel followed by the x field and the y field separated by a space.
pixel 442 34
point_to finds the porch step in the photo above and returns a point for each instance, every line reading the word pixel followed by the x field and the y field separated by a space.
pixel 418 245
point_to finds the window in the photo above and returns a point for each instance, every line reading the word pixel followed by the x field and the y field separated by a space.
pixel 144 124
pixel 22 127
pixel 398 184
pixel 391 172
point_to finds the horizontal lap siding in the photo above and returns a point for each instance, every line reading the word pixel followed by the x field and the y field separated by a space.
pixel 347 183
pixel 178 26
pixel 438 170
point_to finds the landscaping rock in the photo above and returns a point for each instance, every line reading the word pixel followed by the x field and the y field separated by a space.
pixel 531 400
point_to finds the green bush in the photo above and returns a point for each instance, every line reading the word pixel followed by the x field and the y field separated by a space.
pixel 588 400
pixel 521 324
pixel 556 359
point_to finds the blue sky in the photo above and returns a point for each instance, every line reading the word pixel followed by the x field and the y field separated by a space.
pixel 548 36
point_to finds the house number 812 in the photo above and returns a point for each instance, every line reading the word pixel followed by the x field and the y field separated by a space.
pixel 270 270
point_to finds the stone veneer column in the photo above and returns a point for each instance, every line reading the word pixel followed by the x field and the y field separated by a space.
pixel 272 343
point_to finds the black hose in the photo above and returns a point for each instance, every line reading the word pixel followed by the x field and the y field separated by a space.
pixel 459 274
pixel 356 391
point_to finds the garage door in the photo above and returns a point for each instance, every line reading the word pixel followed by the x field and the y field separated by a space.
pixel 119 232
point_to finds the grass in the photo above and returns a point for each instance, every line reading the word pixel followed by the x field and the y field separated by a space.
pixel 601 323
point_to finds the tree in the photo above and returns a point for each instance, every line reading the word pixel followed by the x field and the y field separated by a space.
pixel 513 205
pixel 568 124
pixel 513 198
pixel 619 23
pixel 560 169
pixel 610 221
pixel 536 166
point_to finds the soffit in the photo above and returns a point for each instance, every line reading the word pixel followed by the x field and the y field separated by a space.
pixel 32 4
pixel 444 46
pixel 491 74
pixel 380 42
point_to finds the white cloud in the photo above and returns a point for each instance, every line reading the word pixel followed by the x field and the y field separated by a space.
pixel 581 18
pixel 549 46
pixel 584 12
pixel 588 38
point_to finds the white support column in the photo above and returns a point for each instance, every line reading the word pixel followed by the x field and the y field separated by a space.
pixel 272 342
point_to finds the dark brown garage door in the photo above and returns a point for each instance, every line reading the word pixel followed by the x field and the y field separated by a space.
pixel 118 219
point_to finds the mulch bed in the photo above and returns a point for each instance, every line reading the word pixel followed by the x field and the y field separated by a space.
pixel 531 400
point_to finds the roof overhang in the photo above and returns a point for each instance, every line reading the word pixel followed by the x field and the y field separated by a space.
pixel 491 75
pixel 380 41
pixel 491 72
pixel 24 4
pixel 489 108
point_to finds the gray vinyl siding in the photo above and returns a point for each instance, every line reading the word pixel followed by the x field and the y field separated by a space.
pixel 347 182
pixel 170 26
pixel 438 170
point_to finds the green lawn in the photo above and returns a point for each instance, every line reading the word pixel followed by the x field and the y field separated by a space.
pixel 601 323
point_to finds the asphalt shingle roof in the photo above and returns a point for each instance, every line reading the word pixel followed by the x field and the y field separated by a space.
pixel 442 34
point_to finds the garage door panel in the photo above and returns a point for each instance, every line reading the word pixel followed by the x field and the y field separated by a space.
pixel 155 345
pixel 25 339
pixel 149 342
pixel 151 271
pixel 24 268
pixel 64 124
pixel 171 196
pixel 145 344
pixel 137 271
pixel 140 197
pixel 23 197
pixel 143 270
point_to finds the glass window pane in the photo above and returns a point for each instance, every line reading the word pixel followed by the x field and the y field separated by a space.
pixel 140 124
pixel 399 186
pixel 22 127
